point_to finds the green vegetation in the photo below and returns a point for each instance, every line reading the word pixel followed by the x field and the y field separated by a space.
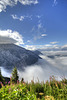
pixel 1 79
pixel 14 75
pixel 51 90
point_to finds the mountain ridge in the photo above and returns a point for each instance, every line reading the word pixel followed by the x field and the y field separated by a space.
pixel 13 55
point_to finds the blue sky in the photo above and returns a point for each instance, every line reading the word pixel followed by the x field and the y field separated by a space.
pixel 35 22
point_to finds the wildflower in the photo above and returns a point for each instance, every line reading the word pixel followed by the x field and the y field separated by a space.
pixel 9 89
pixel 5 82
pixel 1 83
pixel 63 84
pixel 17 81
pixel 50 78
pixel 9 82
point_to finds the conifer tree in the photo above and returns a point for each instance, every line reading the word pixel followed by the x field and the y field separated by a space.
pixel 1 78
pixel 14 75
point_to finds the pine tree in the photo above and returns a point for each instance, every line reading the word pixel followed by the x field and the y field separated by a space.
pixel 14 75
pixel 1 78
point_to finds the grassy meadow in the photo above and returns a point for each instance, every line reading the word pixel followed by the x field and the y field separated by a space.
pixel 51 90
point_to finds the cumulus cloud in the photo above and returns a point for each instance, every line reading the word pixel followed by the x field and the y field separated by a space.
pixel 5 3
pixel 9 36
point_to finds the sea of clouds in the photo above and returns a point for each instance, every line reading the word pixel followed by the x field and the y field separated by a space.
pixel 44 68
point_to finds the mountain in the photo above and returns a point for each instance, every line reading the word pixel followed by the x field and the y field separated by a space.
pixel 12 55
pixel 37 52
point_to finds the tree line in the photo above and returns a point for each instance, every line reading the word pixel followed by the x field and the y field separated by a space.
pixel 13 79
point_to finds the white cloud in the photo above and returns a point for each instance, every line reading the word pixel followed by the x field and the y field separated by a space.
pixel 39 30
pixel 43 35
pixel 38 16
pixel 55 42
pixel 44 68
pixel 30 47
pixel 14 16
pixel 48 45
pixel 5 3
pixel 27 2
pixel 28 41
pixel 39 36
pixel 39 25
pixel 28 16
pixel 45 47
pixel 35 47
pixel 33 29
pixel 6 40
pixel 11 35
pixel 64 46
pixel 21 18
pixel 54 3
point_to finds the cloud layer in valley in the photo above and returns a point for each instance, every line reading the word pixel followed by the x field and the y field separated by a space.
pixel 45 67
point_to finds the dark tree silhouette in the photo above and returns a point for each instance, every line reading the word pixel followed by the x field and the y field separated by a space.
pixel 1 79
pixel 15 76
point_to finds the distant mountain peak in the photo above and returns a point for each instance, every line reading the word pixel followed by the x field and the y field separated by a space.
pixel 13 55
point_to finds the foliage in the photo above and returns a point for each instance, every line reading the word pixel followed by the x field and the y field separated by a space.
pixel 1 78
pixel 14 75
pixel 51 90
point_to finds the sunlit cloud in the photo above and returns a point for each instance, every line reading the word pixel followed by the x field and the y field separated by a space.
pixel 5 3
pixel 10 36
